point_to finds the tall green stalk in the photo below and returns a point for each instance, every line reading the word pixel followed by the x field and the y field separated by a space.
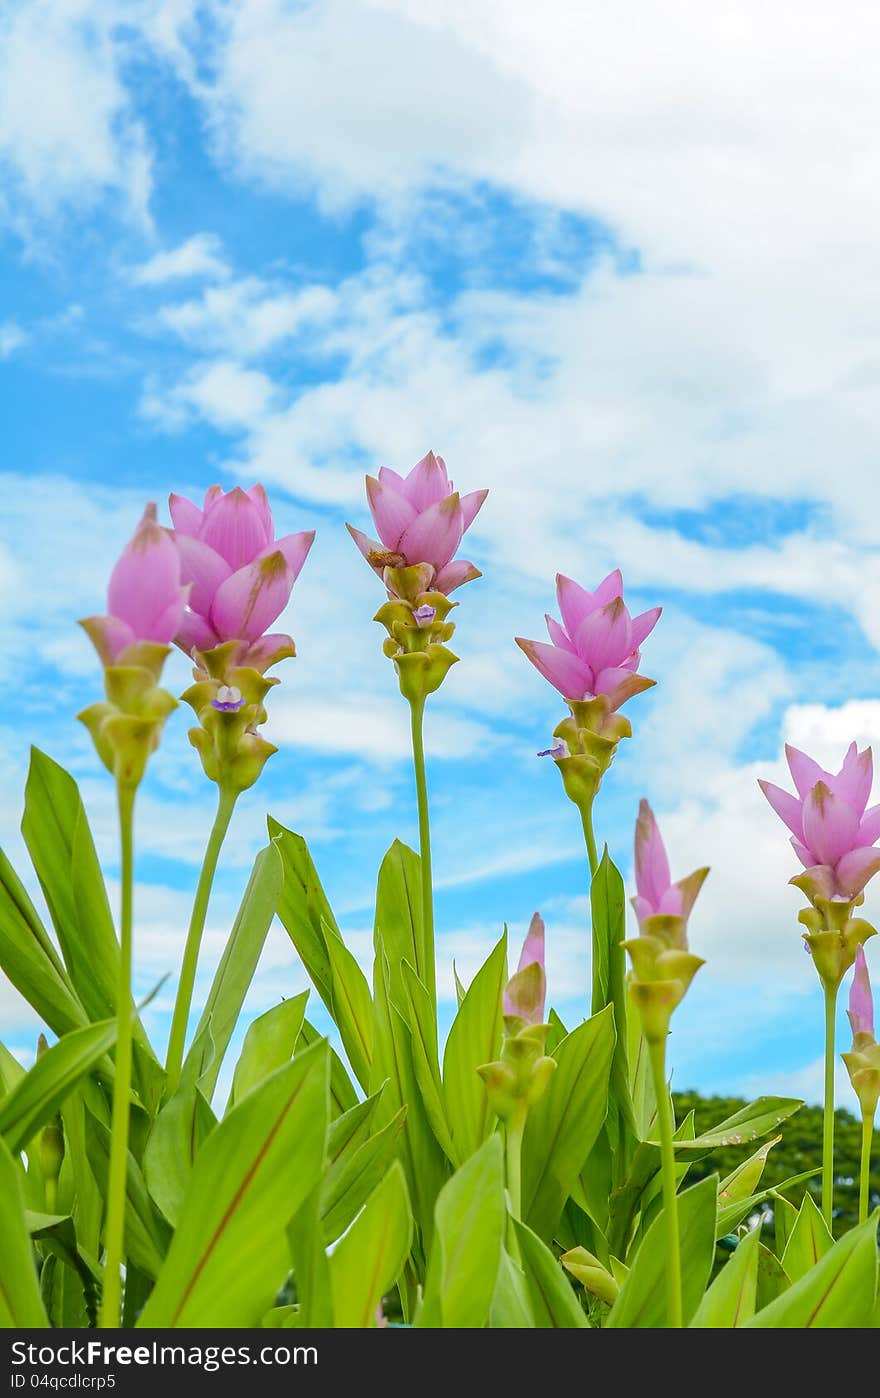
pixel 118 1171
pixel 417 713
pixel 587 821
pixel 828 1111
pixel 865 1167
pixel 657 1051
pixel 183 1001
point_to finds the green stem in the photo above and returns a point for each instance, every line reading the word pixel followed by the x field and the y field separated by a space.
pixel 428 971
pixel 587 819
pixel 828 1114
pixel 118 1171
pixel 514 1130
pixel 183 1002
pixel 657 1051
pixel 865 1170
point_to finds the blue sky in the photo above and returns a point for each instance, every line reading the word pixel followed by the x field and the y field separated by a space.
pixel 637 299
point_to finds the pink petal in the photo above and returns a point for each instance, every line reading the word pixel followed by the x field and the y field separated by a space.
pixel 632 661
pixel 533 946
pixel 558 635
pixel 391 511
pixel 146 580
pixel 608 679
pixel 471 506
pixel 295 548
pixel 831 825
pixel 167 624
pixel 427 482
pixel 248 602
pixel 214 492
pixel 869 826
pixel 609 588
pixel 643 909
pixel 861 1001
pixel 806 856
pixel 644 624
pixel 627 684
pixel 434 535
pixel 671 903
pixel 109 635
pixel 268 650
pixel 455 573
pixel 186 517
pixel 805 772
pixel 786 806
pixel 389 477
pixel 855 869
pixel 651 864
pixel 366 545
pixel 195 633
pixel 204 568
pixel 604 638
pixel 855 778
pixel 235 527
pixel 575 602
pixel 566 672
pixel 257 493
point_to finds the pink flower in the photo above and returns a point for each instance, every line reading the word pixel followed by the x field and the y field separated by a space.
pixel 526 991
pixel 145 598
pixel 832 832
pixel 420 518
pixel 861 1001
pixel 241 576
pixel 656 894
pixel 596 649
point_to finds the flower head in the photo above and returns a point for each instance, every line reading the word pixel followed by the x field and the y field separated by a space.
pixel 656 894
pixel 526 991
pixel 146 598
pixel 241 576
pixel 861 1001
pixel 833 834
pixel 595 651
pixel 420 519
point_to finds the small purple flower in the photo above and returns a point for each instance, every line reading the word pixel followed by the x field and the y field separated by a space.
pixel 424 615
pixel 228 699
pixel 560 750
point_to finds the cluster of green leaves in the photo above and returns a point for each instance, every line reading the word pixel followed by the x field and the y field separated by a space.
pixel 328 1187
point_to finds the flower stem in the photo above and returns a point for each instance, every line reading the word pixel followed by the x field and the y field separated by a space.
pixel 118 1169
pixel 428 971
pixel 183 1002
pixel 657 1051
pixel 828 1115
pixel 587 819
pixel 865 1170
pixel 514 1130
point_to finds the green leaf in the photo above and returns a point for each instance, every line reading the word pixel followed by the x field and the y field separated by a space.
pixel 53 1077
pixel 748 1124
pixel 352 1128
pixel 642 1300
pixel 351 1179
pixel 11 1071
pixel 470 1220
pixel 146 1237
pixel 303 908
pixel 553 1302
pixel 511 1309
pixel 731 1215
pixel 352 1006
pixel 236 970
pixel 836 1294
pixel 368 1260
pixel 563 1125
pixel 342 1094
pixel 30 960
pixel 608 910
pixel 730 1301
pixel 20 1304
pixel 741 1182
pixel 176 1136
pixel 422 1018
pixel 399 911
pixel 474 1039
pixel 269 1042
pixel 311 1267
pixel 230 1255
pixel 809 1241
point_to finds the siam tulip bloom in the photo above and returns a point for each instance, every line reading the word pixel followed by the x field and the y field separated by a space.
pixel 656 894
pixel 596 649
pixel 420 520
pixel 833 834
pixel 145 597
pixel 241 576
pixel 861 1001
pixel 526 991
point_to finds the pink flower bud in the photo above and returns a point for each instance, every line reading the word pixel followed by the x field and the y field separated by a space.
pixel 596 649
pixel 861 1001
pixel 240 575
pixel 656 894
pixel 832 832
pixel 420 519
pixel 145 596
pixel 526 991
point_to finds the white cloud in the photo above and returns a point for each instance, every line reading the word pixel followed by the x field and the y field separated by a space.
pixel 222 392
pixel 246 315
pixel 12 337
pixel 200 256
